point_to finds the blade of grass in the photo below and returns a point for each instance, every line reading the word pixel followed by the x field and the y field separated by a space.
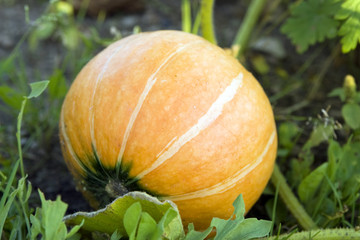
pixel 207 25
pixel 244 33
pixel 273 214
pixel 5 207
pixel 186 15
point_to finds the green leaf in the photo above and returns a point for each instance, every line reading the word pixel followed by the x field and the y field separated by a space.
pixel 147 226
pixel 350 29
pixel 7 198
pixel 321 133
pixel 195 235
pixel 70 37
pixel 48 220
pixel 35 224
pixel 349 163
pixel 74 230
pixel 311 22
pixel 351 115
pixel 5 209
pixel 115 236
pixel 287 132
pixel 131 219
pixel 43 30
pixel 311 183
pixel 238 227
pixel 37 88
pixel 50 215
pixel 338 92
pixel 24 192
pixel 251 228
pixel 111 218
pixel 169 226
pixel 334 155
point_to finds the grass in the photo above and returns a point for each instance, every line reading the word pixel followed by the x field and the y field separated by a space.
pixel 316 183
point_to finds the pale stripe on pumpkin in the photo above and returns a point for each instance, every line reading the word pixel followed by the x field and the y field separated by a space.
pixel 228 183
pixel 68 143
pixel 149 84
pixel 205 121
pixel 98 80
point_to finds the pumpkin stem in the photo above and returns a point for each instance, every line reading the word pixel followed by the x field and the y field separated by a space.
pixel 115 188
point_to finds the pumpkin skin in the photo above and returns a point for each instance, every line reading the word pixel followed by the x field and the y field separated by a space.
pixel 173 115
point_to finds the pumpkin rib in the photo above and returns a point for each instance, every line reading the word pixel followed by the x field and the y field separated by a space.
pixel 228 183
pixel 69 145
pixel 205 121
pixel 149 84
pixel 85 169
pixel 91 107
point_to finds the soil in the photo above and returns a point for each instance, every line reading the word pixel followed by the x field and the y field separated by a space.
pixel 46 168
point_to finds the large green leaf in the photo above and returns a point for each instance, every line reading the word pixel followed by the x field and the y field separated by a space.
pixel 48 222
pixel 239 227
pixel 350 29
pixel 311 22
pixel 311 183
pixel 130 214
pixel 351 114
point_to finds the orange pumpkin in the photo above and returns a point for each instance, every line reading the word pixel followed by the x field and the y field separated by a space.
pixel 170 114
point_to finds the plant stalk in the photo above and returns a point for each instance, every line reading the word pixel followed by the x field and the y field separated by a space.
pixel 243 35
pixel 186 15
pixel 291 200
pixel 207 25
pixel 18 136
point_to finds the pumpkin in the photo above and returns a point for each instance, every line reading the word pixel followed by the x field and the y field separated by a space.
pixel 173 115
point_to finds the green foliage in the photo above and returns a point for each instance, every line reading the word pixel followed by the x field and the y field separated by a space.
pixel 136 215
pixel 47 220
pixel 37 88
pixel 349 30
pixel 139 216
pixel 313 21
pixel 15 214
pixel 351 114
pixel 237 227
pixel 329 191
pixel 58 21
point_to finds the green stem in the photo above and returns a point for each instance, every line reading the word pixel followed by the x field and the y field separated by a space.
pixel 323 234
pixel 186 15
pixel 207 25
pixel 196 25
pixel 291 201
pixel 244 32
pixel 18 136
